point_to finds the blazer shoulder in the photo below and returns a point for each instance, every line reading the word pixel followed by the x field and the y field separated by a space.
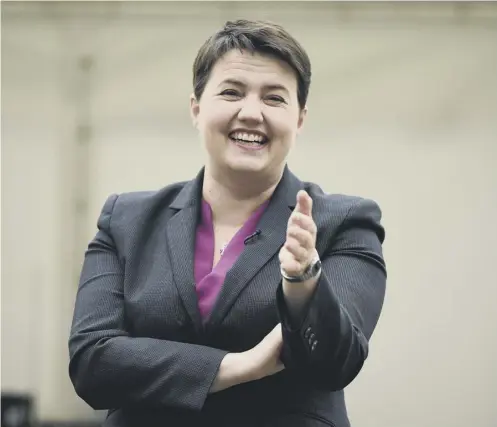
pixel 333 212
pixel 337 204
pixel 128 207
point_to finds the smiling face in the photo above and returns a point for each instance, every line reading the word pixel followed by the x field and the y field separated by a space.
pixel 248 116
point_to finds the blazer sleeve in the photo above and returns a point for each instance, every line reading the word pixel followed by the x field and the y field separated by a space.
pixel 111 369
pixel 330 346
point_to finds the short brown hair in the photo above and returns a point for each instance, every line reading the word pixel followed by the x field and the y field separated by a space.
pixel 261 37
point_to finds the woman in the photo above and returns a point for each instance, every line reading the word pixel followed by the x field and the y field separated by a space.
pixel 244 297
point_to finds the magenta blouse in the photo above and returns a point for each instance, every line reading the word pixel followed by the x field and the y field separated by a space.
pixel 209 281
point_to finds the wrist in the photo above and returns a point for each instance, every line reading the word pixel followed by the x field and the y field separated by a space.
pixel 232 371
pixel 240 367
pixel 310 272
pixel 249 370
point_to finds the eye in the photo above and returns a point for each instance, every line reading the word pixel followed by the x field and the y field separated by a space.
pixel 276 99
pixel 230 93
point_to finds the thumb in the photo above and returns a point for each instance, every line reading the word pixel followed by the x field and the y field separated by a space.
pixel 304 203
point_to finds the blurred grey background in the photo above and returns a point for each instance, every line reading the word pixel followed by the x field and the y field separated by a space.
pixel 402 109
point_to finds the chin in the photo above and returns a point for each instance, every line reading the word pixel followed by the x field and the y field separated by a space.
pixel 247 166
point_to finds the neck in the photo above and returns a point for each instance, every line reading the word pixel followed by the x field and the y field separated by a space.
pixel 234 197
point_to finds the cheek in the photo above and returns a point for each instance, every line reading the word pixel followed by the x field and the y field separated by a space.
pixel 215 117
pixel 285 127
pixel 212 129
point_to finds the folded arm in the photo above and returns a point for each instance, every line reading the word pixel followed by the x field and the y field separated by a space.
pixel 110 369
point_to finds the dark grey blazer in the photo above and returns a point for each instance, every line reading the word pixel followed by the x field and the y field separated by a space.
pixel 139 348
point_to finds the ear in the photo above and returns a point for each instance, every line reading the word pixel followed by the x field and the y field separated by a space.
pixel 302 116
pixel 194 109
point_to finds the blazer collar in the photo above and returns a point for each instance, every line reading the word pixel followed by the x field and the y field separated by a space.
pixel 191 193
pixel 285 192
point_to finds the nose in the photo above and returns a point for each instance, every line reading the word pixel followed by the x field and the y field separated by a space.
pixel 251 110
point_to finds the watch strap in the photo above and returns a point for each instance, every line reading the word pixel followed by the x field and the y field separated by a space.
pixel 311 271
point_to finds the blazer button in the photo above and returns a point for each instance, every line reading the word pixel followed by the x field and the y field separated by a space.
pixel 307 332
pixel 314 345
pixel 311 339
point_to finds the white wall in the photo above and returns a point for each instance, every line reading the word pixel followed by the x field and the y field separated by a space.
pixel 37 214
pixel 403 109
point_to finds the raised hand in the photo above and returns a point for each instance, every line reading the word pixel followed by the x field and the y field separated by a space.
pixel 299 249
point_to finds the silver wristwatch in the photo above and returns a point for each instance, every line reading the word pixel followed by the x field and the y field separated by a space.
pixel 311 271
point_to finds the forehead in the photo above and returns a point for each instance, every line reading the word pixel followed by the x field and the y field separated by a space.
pixel 253 69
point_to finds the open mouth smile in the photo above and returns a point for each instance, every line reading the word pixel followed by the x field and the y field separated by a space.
pixel 249 139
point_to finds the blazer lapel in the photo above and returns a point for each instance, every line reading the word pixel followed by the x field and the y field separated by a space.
pixel 273 225
pixel 180 232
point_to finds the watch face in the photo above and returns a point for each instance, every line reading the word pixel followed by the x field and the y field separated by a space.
pixel 315 268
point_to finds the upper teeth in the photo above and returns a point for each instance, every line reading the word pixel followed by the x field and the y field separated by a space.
pixel 247 136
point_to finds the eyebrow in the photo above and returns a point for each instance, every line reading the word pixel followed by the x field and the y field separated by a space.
pixel 239 83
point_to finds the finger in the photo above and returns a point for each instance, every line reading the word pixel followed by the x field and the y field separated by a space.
pixel 275 338
pixel 304 237
pixel 304 203
pixel 285 257
pixel 292 268
pixel 296 249
pixel 279 367
pixel 288 262
pixel 303 221
pixel 276 330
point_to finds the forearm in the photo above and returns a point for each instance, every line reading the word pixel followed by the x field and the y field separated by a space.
pixel 327 344
pixel 259 362
pixel 297 297
pixel 232 371
pixel 119 371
